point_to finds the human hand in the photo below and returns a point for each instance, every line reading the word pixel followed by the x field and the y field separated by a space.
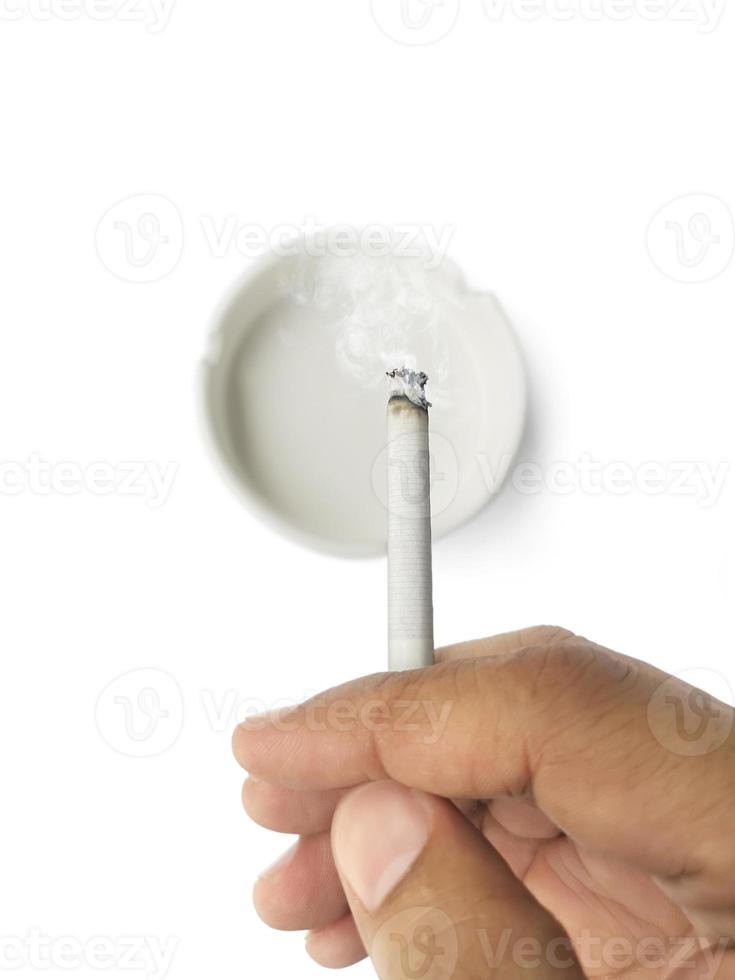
pixel 584 817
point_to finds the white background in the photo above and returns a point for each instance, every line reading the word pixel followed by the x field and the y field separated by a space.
pixel 549 145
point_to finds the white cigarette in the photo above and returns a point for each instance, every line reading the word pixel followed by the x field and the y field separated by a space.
pixel 410 609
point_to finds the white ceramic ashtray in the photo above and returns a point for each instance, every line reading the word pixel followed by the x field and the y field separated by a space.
pixel 295 391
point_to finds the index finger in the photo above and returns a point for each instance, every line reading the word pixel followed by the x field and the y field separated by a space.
pixel 575 726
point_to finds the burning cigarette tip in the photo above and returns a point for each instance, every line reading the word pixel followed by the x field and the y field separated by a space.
pixel 409 384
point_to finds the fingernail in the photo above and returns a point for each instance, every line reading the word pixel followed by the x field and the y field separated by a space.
pixel 279 864
pixel 379 832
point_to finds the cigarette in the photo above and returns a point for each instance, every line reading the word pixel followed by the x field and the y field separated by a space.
pixel 410 607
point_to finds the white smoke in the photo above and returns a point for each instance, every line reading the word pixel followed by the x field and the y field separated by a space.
pixel 383 311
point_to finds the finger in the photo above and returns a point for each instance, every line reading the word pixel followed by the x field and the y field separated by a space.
pixel 302 889
pixel 289 811
pixel 293 812
pixel 570 725
pixel 430 897
pixel 337 945
pixel 503 643
pixel 523 818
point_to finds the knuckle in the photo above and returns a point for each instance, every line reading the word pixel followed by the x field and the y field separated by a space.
pixel 574 694
pixel 546 634
pixel 578 672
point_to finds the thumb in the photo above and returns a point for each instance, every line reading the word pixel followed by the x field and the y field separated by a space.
pixel 431 898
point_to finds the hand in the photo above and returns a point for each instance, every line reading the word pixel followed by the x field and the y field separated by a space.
pixel 589 813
